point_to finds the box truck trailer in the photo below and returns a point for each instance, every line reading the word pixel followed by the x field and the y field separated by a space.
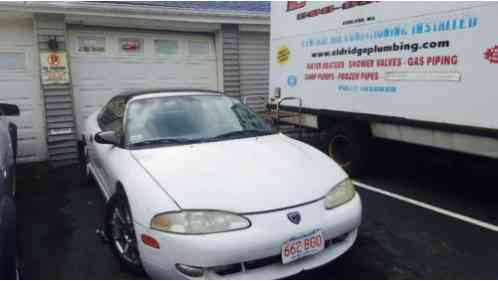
pixel 418 72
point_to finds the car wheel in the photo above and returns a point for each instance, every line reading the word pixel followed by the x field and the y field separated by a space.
pixel 120 231
pixel 348 145
pixel 19 275
pixel 8 238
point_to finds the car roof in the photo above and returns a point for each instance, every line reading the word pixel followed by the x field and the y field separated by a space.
pixel 165 91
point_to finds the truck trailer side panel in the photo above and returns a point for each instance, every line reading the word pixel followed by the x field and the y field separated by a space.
pixel 431 62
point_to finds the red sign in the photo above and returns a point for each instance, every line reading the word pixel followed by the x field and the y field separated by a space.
pixel 130 45
pixel 491 54
pixel 294 5
pixel 54 60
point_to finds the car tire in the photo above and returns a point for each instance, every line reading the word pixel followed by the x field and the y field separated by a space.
pixel 19 275
pixel 120 232
pixel 348 144
pixel 8 238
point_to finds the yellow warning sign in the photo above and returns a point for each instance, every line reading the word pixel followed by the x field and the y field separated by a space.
pixel 283 54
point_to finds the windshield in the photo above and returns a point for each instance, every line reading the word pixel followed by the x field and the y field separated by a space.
pixel 190 118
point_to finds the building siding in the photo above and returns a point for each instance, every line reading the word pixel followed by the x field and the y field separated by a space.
pixel 231 68
pixel 58 101
pixel 254 60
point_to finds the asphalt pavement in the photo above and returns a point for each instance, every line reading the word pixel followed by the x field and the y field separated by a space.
pixel 58 215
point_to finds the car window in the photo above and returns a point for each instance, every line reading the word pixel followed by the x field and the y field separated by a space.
pixel 189 117
pixel 111 116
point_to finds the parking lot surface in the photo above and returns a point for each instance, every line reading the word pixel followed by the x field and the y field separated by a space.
pixel 58 216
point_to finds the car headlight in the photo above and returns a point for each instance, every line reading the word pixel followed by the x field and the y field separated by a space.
pixel 198 222
pixel 340 194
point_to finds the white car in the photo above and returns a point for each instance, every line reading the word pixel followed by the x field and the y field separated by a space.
pixel 199 186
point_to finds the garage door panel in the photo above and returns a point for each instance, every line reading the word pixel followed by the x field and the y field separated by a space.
pixel 16 97
pixel 12 79
pixel 28 150
pixel 86 112
pixel 91 60
pixel 106 72
pixel 127 87
pixel 28 135
pixel 20 86
pixel 98 77
pixel 90 98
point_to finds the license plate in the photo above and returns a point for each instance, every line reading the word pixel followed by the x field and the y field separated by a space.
pixel 302 246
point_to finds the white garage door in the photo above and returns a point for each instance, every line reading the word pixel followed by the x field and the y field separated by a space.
pixel 254 56
pixel 19 84
pixel 107 62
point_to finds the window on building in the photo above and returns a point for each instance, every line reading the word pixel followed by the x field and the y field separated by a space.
pixel 12 61
pixel 131 46
pixel 198 47
pixel 166 47
pixel 91 45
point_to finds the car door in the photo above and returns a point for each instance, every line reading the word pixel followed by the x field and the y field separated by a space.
pixel 7 205
pixel 7 237
pixel 110 119
pixel 6 156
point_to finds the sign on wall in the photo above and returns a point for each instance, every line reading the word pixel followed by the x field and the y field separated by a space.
pixel 54 68
pixel 131 46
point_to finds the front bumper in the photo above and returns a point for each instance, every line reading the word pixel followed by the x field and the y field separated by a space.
pixel 256 249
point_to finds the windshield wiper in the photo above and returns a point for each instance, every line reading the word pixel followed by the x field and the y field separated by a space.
pixel 243 133
pixel 163 141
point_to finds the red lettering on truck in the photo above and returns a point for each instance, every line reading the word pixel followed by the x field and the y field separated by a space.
pixel 491 54
pixel 442 60
pixel 294 5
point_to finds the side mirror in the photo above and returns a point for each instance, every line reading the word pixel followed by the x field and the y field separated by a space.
pixel 9 109
pixel 107 137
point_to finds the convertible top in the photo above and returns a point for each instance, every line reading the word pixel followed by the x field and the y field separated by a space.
pixel 131 94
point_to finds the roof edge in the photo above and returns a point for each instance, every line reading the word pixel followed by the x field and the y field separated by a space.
pixel 148 12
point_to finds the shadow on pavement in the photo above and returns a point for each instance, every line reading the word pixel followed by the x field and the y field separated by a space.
pixel 57 219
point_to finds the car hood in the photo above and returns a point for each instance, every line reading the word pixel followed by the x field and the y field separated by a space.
pixel 243 175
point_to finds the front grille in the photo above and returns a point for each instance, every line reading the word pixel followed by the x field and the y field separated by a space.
pixel 258 263
pixel 262 262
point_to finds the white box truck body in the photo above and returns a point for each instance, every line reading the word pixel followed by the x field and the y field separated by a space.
pixel 418 72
